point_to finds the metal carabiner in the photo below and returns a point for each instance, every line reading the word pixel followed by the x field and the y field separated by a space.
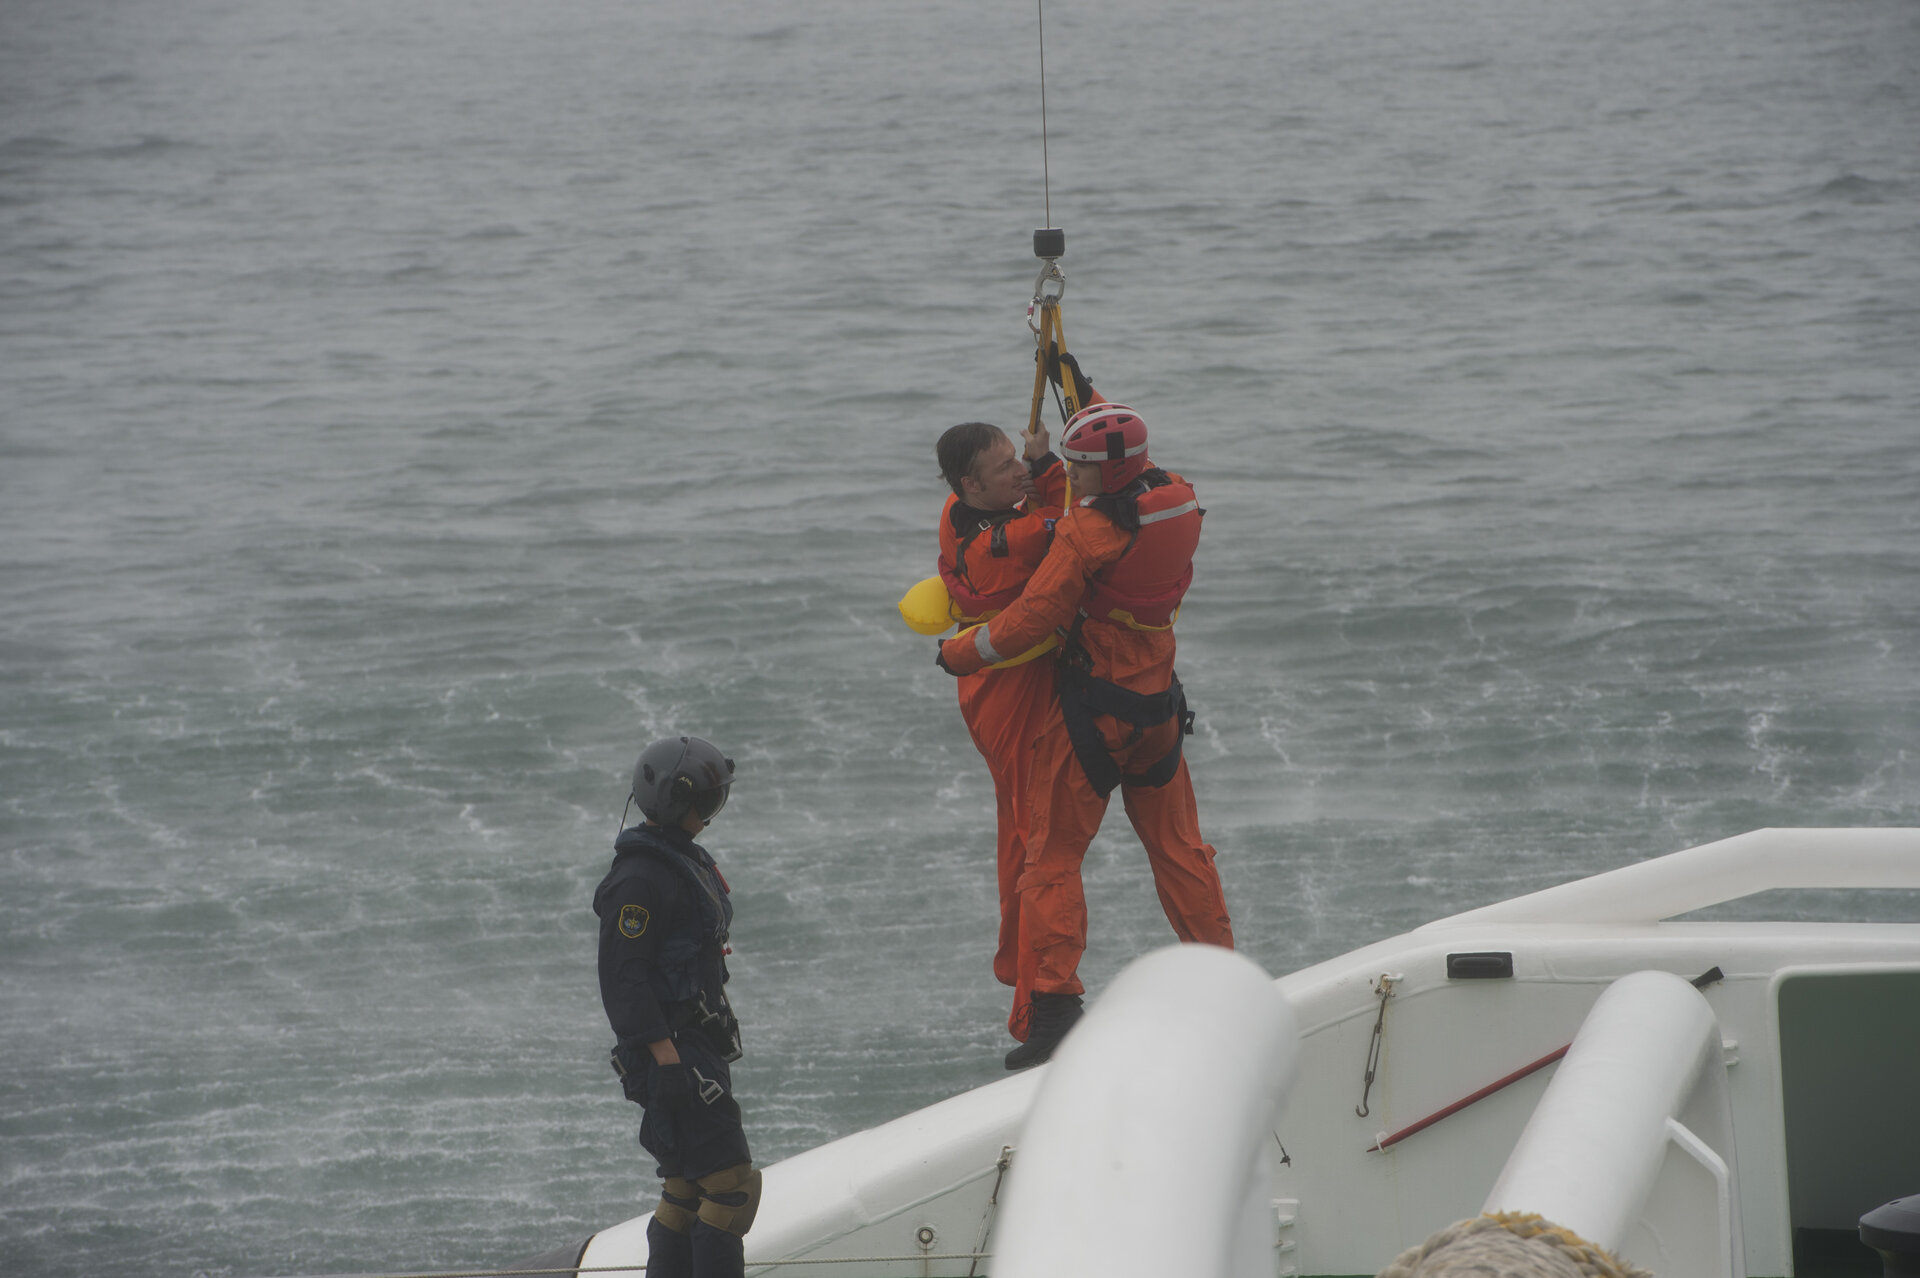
pixel 1051 285
pixel 1048 289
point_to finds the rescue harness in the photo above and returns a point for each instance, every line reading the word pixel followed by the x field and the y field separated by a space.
pixel 1084 696
pixel 1162 520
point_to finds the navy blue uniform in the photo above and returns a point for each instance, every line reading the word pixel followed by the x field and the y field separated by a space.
pixel 664 918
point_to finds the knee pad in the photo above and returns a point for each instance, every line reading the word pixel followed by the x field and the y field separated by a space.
pixel 679 1201
pixel 729 1198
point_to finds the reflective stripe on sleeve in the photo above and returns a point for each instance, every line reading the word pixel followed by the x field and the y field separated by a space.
pixel 1182 509
pixel 983 644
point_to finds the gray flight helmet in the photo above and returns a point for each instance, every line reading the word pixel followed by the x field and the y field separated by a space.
pixel 678 775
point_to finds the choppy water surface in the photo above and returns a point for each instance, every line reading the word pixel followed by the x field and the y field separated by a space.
pixel 409 409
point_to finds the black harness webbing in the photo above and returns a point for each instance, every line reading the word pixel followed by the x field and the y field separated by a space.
pixel 1123 508
pixel 1082 697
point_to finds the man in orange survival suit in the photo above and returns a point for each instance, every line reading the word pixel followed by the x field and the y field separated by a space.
pixel 1120 562
pixel 994 532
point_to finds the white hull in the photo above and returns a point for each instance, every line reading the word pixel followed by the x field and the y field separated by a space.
pixel 1692 1132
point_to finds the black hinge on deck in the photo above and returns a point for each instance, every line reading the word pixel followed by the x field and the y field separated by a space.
pixel 1493 965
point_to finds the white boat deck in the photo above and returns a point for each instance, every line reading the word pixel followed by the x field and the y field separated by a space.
pixel 1777 1098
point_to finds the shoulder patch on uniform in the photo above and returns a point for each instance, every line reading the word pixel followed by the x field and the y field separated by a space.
pixel 633 921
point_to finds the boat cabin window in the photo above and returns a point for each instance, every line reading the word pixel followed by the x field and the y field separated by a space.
pixel 1849 1061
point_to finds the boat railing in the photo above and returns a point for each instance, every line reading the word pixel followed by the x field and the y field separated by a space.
pixel 1631 1146
pixel 1715 873
pixel 1169 1088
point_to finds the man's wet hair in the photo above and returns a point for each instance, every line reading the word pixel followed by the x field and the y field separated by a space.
pixel 960 447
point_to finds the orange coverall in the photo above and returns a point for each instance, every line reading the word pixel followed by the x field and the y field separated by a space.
pixel 1005 710
pixel 1065 809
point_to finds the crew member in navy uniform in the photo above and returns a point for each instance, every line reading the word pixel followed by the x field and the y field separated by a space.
pixel 664 916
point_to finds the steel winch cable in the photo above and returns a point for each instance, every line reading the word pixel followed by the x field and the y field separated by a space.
pixel 1049 243
pixel 1046 171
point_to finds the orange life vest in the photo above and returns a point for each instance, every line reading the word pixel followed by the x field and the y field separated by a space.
pixel 986 557
pixel 1143 588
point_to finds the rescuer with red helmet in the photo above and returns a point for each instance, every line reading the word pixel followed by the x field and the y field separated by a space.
pixel 1112 582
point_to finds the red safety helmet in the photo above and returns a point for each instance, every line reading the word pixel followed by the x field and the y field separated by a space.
pixel 1112 435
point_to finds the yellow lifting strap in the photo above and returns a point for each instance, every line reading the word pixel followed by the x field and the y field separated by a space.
pixel 1050 342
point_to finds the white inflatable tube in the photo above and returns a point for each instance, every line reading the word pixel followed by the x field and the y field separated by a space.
pixel 1148 1149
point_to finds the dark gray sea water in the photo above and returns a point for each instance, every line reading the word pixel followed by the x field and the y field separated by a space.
pixel 408 409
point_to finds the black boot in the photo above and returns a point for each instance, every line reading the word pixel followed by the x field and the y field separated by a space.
pixel 716 1253
pixel 669 1254
pixel 1053 1016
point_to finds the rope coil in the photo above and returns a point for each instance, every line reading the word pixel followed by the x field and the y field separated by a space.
pixel 1510 1245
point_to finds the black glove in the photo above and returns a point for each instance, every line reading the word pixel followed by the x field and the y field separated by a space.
pixel 940 659
pixel 1060 362
pixel 674 1089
